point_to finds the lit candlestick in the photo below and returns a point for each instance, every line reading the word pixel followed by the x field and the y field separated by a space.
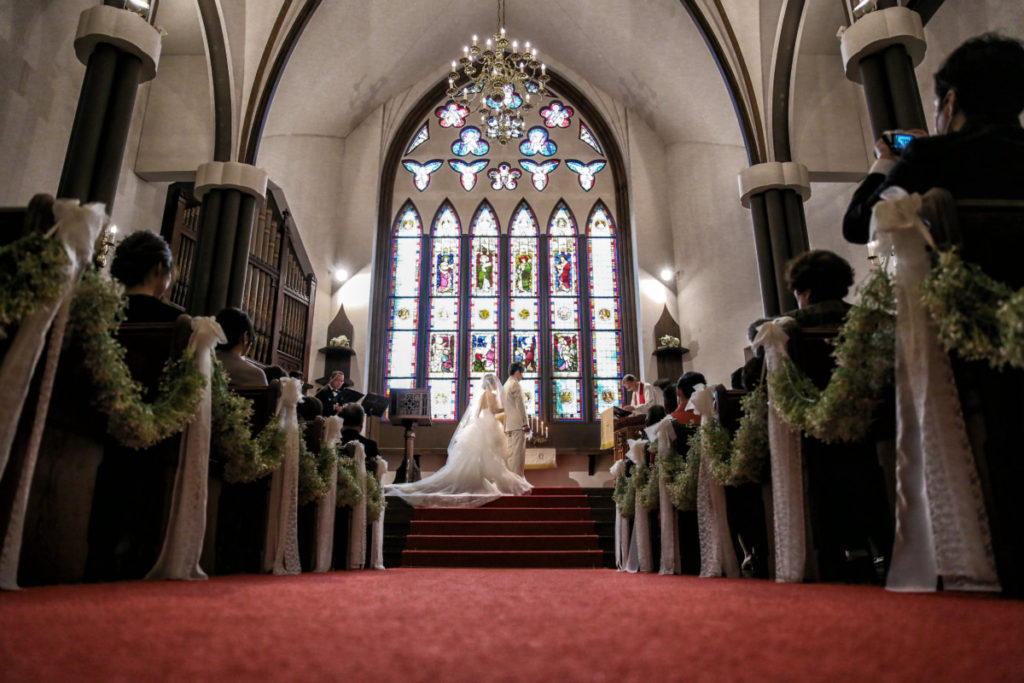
pixel 543 69
pixel 465 51
pixel 515 46
pixel 502 31
pixel 474 41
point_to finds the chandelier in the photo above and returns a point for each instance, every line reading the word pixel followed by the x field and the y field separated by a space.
pixel 501 80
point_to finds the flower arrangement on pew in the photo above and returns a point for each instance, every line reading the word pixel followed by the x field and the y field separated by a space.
pixel 624 495
pixel 32 271
pixel 680 473
pixel 246 458
pixel 646 484
pixel 744 458
pixel 315 471
pixel 349 493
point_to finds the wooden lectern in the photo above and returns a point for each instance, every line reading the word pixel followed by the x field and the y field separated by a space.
pixel 615 433
pixel 410 407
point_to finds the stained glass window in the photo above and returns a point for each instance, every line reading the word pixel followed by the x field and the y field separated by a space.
pixel 588 137
pixel 605 335
pixel 524 303
pixel 421 136
pixel 445 292
pixel 563 290
pixel 403 304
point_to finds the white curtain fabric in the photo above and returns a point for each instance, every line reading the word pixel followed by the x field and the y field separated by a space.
pixel 661 435
pixel 618 469
pixel 941 524
pixel 326 506
pixel 787 470
pixel 281 550
pixel 717 554
pixel 641 554
pixel 357 523
pixel 186 526
pixel 377 542
pixel 77 228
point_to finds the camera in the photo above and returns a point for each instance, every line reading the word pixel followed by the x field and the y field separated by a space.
pixel 897 140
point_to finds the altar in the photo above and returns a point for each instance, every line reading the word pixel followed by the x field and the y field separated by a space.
pixel 616 432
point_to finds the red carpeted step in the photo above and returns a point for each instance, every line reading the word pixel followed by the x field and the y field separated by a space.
pixel 552 501
pixel 557 491
pixel 503 514
pixel 497 558
pixel 504 528
pixel 465 542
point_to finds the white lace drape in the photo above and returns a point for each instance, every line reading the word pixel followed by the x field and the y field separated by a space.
pixel 377 541
pixel 641 555
pixel 281 550
pixel 326 507
pixel 941 523
pixel 787 470
pixel 357 523
pixel 618 469
pixel 186 526
pixel 661 435
pixel 717 554
pixel 77 228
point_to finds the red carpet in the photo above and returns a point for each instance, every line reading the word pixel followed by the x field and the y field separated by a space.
pixel 552 527
pixel 502 625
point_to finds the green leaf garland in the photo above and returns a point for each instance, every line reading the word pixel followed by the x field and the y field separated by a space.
pixel 349 493
pixel 375 503
pixel 680 473
pixel 315 471
pixel 245 458
pixel 32 272
pixel 624 495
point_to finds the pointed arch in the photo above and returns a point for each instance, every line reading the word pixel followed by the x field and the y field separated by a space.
pixel 485 220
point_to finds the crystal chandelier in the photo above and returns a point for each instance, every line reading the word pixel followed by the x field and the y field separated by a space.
pixel 501 80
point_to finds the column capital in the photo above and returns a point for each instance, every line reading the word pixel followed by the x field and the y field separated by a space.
pixel 774 175
pixel 123 29
pixel 878 30
pixel 231 175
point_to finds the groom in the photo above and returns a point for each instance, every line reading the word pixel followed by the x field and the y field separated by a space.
pixel 516 424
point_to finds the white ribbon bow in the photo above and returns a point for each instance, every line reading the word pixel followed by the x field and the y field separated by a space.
pixel 701 401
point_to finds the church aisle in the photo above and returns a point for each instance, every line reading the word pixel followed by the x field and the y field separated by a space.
pixel 502 624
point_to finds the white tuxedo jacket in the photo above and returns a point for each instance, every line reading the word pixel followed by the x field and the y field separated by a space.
pixel 515 407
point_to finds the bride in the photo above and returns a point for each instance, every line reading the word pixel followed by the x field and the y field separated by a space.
pixel 475 472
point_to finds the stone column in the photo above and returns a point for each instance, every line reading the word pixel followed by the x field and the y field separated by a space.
pixel 120 50
pixel 880 51
pixel 775 193
pixel 231 193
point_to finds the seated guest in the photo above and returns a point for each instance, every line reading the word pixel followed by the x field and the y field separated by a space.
pixel 978 149
pixel 655 415
pixel 239 332
pixel 143 264
pixel 330 395
pixel 272 372
pixel 685 387
pixel 669 398
pixel 352 418
pixel 643 398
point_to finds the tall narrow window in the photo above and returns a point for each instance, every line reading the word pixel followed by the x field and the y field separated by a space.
pixel 563 288
pixel 443 346
pixel 524 303
pixel 605 324
pixel 485 276
pixel 403 302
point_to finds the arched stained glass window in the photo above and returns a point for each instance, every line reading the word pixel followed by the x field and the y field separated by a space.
pixel 535 272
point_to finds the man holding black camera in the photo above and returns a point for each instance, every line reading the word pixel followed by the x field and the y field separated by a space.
pixel 978 149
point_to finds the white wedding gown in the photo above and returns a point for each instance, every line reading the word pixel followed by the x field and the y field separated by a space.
pixel 475 473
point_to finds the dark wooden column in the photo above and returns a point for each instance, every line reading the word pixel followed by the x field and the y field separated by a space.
pixel 120 50
pixel 880 51
pixel 231 193
pixel 775 193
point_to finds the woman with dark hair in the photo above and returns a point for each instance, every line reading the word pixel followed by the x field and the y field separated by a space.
pixel 239 332
pixel 684 388
pixel 143 264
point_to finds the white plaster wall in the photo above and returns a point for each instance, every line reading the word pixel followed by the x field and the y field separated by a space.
pixel 138 204
pixel 40 78
pixel 717 285
pixel 824 212
pixel 653 296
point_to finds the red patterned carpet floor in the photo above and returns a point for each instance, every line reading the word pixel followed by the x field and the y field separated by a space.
pixel 503 625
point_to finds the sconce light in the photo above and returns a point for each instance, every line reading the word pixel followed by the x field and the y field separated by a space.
pixel 667 274
pixel 340 275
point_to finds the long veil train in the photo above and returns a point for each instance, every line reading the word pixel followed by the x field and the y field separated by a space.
pixel 475 472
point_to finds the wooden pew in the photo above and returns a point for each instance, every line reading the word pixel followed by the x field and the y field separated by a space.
pixel 313 433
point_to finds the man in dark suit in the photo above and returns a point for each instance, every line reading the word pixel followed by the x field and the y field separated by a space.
pixel 352 418
pixel 978 149
pixel 329 395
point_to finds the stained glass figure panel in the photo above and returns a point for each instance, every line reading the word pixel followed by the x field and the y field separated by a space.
pixel 404 313
pixel 563 274
pixel 606 394
pixel 483 313
pixel 485 223
pixel 531 396
pixel 524 224
pixel 401 353
pixel 446 223
pixel 565 314
pixel 600 223
pixel 604 314
pixel 523 313
pixel 485 266
pixel 604 280
pixel 444 267
pixel 442 354
pixel 421 136
pixel 405 266
pixel 607 355
pixel 567 399
pixel 408 223
pixel 483 353
pixel 526 350
pixel 565 349
pixel 562 222
pixel 588 137
pixel 442 399
pixel 523 257
pixel 444 314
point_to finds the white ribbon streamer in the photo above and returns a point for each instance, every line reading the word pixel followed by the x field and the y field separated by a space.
pixel 941 523
pixel 787 470
pixel 641 555
pixel 77 228
pixel 281 551
pixel 618 469
pixel 186 527
pixel 377 543
pixel 357 525
pixel 661 435
pixel 325 507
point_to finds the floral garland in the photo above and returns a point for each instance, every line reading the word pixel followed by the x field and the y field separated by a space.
pixel 315 471
pixel 740 460
pixel 680 474
pixel 978 317
pixel 349 493
pixel 624 495
pixel 32 271
pixel 864 356
pixel 646 484
pixel 97 310
pixel 375 503
pixel 245 458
